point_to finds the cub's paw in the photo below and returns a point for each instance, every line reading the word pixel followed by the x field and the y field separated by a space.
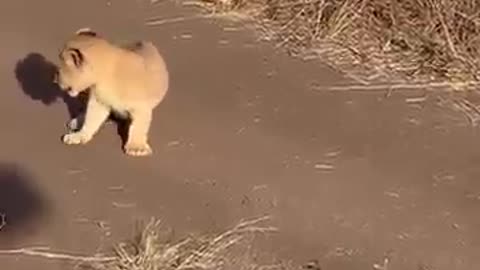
pixel 138 149
pixel 75 138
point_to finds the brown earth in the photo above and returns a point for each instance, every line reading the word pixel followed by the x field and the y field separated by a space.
pixel 350 178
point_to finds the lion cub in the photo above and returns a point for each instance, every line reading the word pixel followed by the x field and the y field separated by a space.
pixel 129 81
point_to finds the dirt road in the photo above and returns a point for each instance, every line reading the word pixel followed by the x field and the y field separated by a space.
pixel 349 178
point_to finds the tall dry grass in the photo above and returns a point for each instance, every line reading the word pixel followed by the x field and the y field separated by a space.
pixel 414 41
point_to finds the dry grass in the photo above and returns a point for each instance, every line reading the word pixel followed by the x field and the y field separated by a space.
pixel 394 41
pixel 230 250
pixel 224 251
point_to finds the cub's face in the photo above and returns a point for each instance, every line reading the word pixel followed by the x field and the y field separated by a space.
pixel 73 74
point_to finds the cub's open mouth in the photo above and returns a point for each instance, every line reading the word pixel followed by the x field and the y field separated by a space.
pixel 71 93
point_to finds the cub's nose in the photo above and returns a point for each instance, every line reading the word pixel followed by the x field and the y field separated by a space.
pixel 56 80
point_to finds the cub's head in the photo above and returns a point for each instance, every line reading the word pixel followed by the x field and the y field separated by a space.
pixel 74 74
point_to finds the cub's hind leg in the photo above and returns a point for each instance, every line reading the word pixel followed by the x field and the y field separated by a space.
pixel 95 116
pixel 137 141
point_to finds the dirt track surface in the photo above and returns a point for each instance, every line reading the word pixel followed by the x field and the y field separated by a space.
pixel 349 178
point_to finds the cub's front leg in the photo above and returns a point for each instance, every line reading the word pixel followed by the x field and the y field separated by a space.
pixel 95 116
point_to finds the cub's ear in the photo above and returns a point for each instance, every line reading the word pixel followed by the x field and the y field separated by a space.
pixel 73 57
pixel 86 32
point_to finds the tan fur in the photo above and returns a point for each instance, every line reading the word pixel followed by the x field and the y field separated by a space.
pixel 130 81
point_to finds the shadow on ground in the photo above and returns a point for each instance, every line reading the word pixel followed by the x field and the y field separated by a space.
pixel 35 75
pixel 21 204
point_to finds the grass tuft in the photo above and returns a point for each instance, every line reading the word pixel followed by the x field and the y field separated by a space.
pixel 228 250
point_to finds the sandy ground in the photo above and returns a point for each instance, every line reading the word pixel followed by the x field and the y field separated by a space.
pixel 349 178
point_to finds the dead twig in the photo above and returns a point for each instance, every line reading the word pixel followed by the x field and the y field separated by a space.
pixel 160 21
pixel 44 253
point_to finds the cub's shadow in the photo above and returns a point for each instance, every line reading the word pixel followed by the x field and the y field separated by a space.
pixel 21 205
pixel 36 74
